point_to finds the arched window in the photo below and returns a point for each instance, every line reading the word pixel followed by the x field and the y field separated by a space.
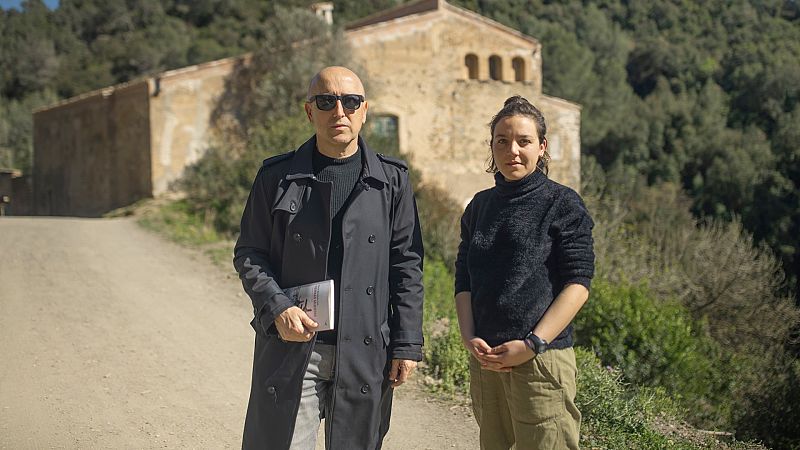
pixel 471 63
pixel 519 68
pixel 495 67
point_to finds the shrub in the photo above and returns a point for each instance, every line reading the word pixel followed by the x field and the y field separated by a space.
pixel 773 407
pixel 217 185
pixel 657 344
pixel 653 342
pixel 440 220
pixel 613 417
pixel 448 359
pixel 438 282
pixel 648 235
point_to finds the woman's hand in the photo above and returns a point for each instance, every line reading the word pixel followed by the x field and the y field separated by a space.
pixel 507 355
pixel 478 347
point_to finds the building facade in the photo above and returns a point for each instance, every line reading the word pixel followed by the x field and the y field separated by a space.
pixel 438 73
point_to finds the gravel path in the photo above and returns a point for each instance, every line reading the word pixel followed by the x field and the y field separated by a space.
pixel 112 337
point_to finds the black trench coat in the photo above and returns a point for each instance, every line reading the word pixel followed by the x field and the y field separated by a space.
pixel 285 234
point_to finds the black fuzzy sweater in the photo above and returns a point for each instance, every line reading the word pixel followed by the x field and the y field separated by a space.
pixel 522 242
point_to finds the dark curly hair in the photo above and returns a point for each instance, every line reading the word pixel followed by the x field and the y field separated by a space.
pixel 520 106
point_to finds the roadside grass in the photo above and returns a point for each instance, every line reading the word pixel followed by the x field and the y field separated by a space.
pixel 175 221
pixel 615 415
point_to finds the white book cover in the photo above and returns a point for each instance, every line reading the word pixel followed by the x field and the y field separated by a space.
pixel 316 299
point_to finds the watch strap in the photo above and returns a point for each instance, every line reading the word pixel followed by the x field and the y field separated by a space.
pixel 537 344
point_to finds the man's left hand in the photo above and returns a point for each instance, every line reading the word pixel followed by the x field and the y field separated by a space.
pixel 401 370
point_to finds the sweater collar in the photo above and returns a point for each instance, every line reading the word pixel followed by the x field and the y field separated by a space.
pixel 511 189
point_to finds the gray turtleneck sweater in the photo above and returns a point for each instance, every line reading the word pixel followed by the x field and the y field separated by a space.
pixel 522 242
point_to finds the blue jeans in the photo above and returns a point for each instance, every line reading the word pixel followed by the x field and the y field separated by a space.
pixel 315 401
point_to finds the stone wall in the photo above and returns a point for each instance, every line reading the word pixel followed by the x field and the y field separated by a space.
pixel 92 153
pixel 181 105
pixel 109 148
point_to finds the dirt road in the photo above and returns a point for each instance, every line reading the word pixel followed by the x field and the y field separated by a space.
pixel 111 337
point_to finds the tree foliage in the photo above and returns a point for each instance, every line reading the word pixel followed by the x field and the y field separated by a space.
pixel 700 94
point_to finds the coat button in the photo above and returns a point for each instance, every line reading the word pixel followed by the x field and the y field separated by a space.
pixel 293 206
pixel 370 290
pixel 365 389
pixel 297 237
pixel 371 239
pixel 271 390
pixel 368 340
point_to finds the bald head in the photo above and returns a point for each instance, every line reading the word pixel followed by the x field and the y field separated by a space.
pixel 335 80
pixel 336 128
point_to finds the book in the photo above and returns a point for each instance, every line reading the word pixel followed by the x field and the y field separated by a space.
pixel 316 299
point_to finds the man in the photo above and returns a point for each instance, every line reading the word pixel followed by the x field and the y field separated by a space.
pixel 332 209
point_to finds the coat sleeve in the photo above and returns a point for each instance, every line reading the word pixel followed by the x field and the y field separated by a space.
pixel 405 277
pixel 251 257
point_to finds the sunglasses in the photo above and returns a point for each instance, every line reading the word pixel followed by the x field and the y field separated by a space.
pixel 326 102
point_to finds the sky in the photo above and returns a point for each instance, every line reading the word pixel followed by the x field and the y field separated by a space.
pixel 8 4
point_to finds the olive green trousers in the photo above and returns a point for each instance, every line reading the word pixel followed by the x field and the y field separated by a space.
pixel 531 407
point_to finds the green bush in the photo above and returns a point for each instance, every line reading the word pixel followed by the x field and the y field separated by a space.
pixel 654 343
pixel 613 417
pixel 438 282
pixel 217 185
pixel 448 360
pixel 657 344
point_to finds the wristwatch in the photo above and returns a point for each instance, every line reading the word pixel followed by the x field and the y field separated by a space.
pixel 537 344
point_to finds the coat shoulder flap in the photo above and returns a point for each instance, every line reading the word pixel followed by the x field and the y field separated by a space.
pixel 271 161
pixel 393 161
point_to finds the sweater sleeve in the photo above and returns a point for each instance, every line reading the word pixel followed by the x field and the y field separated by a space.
pixel 462 283
pixel 573 240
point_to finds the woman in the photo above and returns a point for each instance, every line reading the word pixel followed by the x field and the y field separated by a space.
pixel 523 271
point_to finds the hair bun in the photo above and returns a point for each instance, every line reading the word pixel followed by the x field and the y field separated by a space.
pixel 516 99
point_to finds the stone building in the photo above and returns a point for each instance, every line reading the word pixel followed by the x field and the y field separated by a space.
pixel 438 73
pixel 111 147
